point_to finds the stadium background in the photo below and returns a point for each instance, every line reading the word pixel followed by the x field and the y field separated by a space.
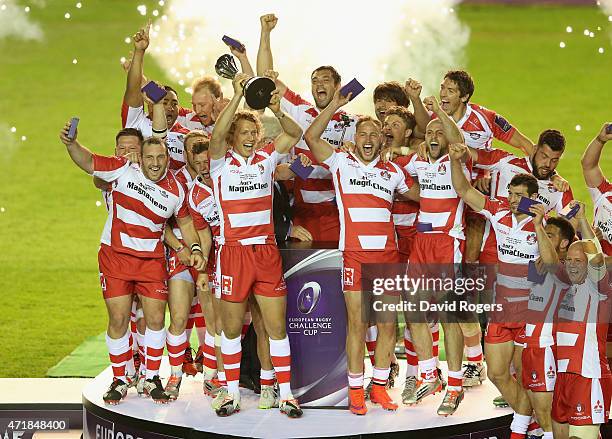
pixel 50 222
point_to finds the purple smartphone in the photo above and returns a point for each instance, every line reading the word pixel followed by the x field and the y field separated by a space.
pixel 572 212
pixel 354 87
pixel 424 227
pixel 234 43
pixel 154 92
pixel 300 170
pixel 525 204
pixel 74 122
pixel 609 128
pixel 533 275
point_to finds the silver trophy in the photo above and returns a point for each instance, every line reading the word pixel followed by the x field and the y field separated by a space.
pixel 257 90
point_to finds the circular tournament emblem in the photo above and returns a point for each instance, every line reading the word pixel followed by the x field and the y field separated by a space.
pixel 308 297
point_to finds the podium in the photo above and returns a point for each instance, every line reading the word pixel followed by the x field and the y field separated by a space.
pixel 316 323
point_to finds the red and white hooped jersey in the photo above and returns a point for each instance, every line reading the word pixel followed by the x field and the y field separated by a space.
pixel 184 177
pixel 517 244
pixel 136 118
pixel 440 205
pixel 543 304
pixel 139 208
pixel 504 165
pixel 190 120
pixel 364 194
pixel 404 212
pixel 243 191
pixel 480 126
pixel 317 190
pixel 602 218
pixel 582 327
pixel 204 213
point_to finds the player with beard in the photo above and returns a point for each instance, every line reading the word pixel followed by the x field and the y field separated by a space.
pixel 439 241
pixel 521 238
pixel 581 399
pixel 249 260
pixel 314 207
pixel 133 114
pixel 207 99
pixel 131 254
pixel 365 187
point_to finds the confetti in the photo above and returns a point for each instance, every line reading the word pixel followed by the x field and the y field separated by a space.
pixel 2 209
pixel 13 129
pixel 98 203
pixel 67 15
pixel 74 61
pixel 122 60
pixel 3 7
pixel 578 128
pixel 127 40
pixel 561 44
pixel 592 35
pixel 78 5
pixel 24 138
pixel 161 2
pixel 155 13
pixel 27 9
pixel 142 9
pixel 586 32
pixel 569 29
pixel 601 50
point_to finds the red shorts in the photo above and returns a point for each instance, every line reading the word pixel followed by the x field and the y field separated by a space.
pixel 581 401
pixel 539 369
pixel 122 274
pixel 405 241
pixel 504 332
pixel 256 268
pixel 176 269
pixel 323 224
pixel 437 248
pixel 351 265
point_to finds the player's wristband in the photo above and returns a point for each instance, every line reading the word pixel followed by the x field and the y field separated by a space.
pixel 182 247
pixel 159 133
pixel 195 247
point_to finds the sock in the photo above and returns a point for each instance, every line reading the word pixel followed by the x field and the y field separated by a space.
pixel 428 370
pixel 119 353
pixel 191 318
pixel 371 334
pixel 455 380
pixel 519 426
pixel 435 336
pixel 154 343
pixel 547 435
pixel 473 349
pixel 210 357
pixel 266 377
pixel 222 379
pixel 412 360
pixel 199 322
pixel 130 370
pixel 176 345
pixel 534 427
pixel 232 353
pixel 280 353
pixel 355 380
pixel 380 376
pixel 246 322
pixel 141 351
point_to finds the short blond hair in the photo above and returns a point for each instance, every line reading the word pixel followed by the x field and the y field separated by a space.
pixel 195 134
pixel 207 82
pixel 246 115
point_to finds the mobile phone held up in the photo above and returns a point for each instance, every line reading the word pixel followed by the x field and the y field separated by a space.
pixel 233 43
pixel 300 170
pixel 74 122
pixel 353 87
pixel 154 92
pixel 525 204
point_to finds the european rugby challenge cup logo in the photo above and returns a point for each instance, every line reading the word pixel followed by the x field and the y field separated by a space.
pixel 308 297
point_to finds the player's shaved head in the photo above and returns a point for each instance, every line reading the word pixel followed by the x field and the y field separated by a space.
pixel 435 139
pixel 576 262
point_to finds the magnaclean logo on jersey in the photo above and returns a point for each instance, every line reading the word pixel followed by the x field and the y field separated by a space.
pixel 426 184
pixel 143 191
pixel 246 187
pixel 363 182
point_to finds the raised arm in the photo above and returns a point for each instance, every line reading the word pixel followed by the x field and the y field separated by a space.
pixel 78 153
pixel 243 58
pixel 291 133
pixel 451 130
pixel 593 176
pixel 160 123
pixel 217 147
pixel 413 90
pixel 457 153
pixel 265 60
pixel 321 149
pixel 522 142
pixel 133 95
pixel 548 254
